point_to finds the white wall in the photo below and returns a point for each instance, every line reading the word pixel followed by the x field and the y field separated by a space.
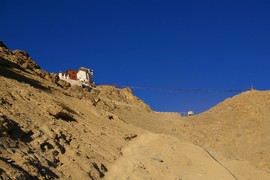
pixel 84 77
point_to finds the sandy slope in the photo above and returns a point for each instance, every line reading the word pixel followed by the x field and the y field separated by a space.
pixel 49 130
pixel 154 156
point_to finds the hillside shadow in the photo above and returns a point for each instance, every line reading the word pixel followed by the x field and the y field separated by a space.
pixel 18 134
pixel 6 70
pixel 15 132
pixel 65 116
pixel 8 64
pixel 17 167
pixel 45 172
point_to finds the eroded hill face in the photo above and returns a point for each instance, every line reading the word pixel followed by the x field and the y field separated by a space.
pixel 239 127
pixel 49 129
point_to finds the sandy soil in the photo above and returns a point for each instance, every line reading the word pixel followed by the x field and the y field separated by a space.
pixel 154 156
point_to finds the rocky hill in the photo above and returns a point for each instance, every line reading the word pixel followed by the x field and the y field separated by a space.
pixel 239 127
pixel 51 130
pixel 234 131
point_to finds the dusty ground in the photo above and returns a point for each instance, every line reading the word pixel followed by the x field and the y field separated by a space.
pixel 51 130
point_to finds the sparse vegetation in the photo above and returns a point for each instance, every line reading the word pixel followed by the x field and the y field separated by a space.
pixel 67 108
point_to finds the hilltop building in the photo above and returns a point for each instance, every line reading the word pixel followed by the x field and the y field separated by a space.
pixel 187 114
pixel 83 76
pixel 190 113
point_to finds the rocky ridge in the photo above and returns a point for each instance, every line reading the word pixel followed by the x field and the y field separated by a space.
pixel 46 125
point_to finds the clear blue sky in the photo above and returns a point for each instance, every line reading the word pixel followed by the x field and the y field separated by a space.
pixel 189 44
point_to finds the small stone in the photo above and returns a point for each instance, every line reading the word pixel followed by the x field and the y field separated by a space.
pixel 129 137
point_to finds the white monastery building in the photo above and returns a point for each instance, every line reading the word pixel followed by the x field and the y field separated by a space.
pixel 85 75
pixel 81 77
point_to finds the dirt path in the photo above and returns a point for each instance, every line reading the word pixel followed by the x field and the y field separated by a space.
pixel 154 156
